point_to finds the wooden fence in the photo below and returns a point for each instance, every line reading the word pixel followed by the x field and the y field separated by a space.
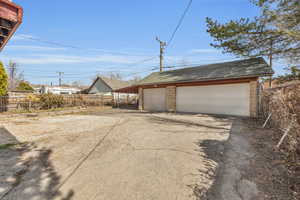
pixel 34 102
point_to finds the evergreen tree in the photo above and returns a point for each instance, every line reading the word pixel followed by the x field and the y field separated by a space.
pixel 275 32
pixel 3 80
pixel 293 73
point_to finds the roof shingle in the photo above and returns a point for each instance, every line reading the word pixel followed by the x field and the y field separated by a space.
pixel 253 67
pixel 114 83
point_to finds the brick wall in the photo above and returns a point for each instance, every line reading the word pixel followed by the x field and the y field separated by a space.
pixel 171 98
pixel 141 99
pixel 253 98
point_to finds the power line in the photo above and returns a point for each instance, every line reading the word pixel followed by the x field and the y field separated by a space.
pixel 47 42
pixel 164 45
pixel 59 44
pixel 152 68
pixel 142 61
pixel 120 53
pixel 135 73
pixel 179 23
pixel 74 75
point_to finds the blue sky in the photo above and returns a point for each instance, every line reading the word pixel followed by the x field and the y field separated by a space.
pixel 111 36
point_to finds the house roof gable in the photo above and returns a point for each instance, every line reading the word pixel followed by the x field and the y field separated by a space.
pixel 111 83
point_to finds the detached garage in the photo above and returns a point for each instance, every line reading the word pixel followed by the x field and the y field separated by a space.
pixel 229 88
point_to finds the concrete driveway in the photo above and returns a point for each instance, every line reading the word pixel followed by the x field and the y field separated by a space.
pixel 111 155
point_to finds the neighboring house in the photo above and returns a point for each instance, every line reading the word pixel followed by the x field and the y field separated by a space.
pixel 107 86
pixel 59 90
pixel 104 85
pixel 229 88
pixel 37 90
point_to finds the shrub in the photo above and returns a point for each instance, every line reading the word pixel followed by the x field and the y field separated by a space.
pixel 49 101
pixel 3 80
pixel 24 86
pixel 31 102
pixel 283 103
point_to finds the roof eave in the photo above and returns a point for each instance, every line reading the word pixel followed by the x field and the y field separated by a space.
pixel 207 79
pixel 18 21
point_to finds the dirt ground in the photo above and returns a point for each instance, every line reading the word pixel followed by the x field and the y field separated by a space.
pixel 121 154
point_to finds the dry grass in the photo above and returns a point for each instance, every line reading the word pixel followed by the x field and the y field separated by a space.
pixel 284 104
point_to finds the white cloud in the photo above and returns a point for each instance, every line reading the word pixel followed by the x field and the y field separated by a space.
pixel 191 60
pixel 66 59
pixel 199 51
pixel 19 37
pixel 33 48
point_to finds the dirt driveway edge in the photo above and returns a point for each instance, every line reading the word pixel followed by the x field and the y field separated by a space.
pixel 236 184
pixel 250 167
pixel 231 180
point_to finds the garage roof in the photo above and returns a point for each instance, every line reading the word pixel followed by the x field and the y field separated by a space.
pixel 253 67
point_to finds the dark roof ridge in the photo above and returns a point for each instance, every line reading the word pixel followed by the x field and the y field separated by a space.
pixel 209 65
pixel 251 67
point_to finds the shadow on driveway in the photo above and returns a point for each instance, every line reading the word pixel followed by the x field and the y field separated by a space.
pixel 213 153
pixel 26 172
pixel 163 120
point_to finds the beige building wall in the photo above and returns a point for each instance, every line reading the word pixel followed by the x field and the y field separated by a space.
pixel 171 98
pixel 253 99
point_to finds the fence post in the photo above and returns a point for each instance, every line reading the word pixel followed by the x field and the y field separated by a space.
pixel 1 103
pixel 267 120
pixel 286 133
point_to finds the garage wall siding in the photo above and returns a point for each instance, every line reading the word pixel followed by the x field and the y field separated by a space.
pixel 171 98
pixel 227 99
pixel 154 99
pixel 253 98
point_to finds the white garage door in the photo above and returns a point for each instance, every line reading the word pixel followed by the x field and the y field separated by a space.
pixel 154 99
pixel 231 99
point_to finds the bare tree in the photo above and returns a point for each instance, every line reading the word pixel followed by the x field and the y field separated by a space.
pixel 15 75
pixel 115 76
pixel 77 84
pixel 135 80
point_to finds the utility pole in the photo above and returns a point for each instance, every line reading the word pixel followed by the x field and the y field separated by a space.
pixel 162 48
pixel 60 77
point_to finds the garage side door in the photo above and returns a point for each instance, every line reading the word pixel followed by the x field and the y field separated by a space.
pixel 154 99
pixel 231 99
